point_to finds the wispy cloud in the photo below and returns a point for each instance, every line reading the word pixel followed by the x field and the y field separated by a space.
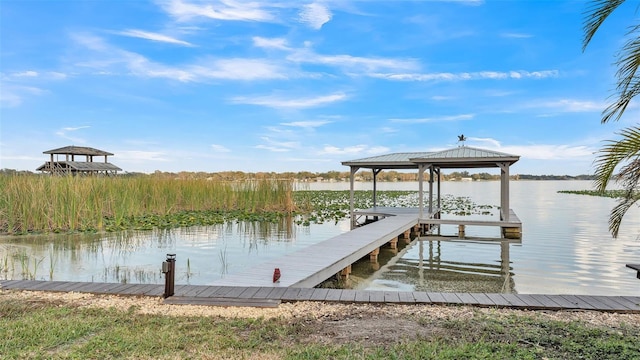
pixel 64 133
pixel 139 157
pixel 290 103
pixel 569 105
pixel 219 148
pixel 112 59
pixel 353 150
pixel 464 76
pixel 229 10
pixel 306 124
pixel 354 63
pixel 270 43
pixel 315 15
pixel 434 119
pixel 153 37
pixel 515 35
pixel 13 95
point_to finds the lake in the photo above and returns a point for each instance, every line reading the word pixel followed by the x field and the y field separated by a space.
pixel 565 248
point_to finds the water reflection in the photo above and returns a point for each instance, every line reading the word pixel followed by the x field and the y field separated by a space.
pixel 204 253
pixel 439 264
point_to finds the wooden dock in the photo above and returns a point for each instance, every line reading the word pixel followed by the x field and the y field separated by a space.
pixel 273 296
pixel 314 264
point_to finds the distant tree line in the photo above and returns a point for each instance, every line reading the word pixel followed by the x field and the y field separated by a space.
pixel 307 176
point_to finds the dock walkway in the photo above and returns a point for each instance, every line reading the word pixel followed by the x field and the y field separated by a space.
pixel 273 296
pixel 314 264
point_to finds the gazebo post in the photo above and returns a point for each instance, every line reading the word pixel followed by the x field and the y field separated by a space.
pixel 430 190
pixel 420 189
pixel 439 198
pixel 504 191
pixel 375 176
pixel 351 186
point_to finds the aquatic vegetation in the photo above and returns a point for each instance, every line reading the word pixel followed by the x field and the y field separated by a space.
pixel 322 206
pixel 606 193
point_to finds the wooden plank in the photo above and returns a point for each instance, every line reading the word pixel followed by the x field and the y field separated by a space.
pixel 611 303
pixel 451 298
pixel 376 297
pixel 209 291
pixel 53 285
pixel 305 294
pixel 530 301
pixel 406 297
pixel 595 302
pixel 391 297
pixel 234 292
pixel 514 300
pixel 628 303
pixel 421 297
pixel 436 298
pixel 277 293
pixel 263 292
pixel 467 299
pixel 194 290
pixel 226 302
pixel 578 303
pixel 319 294
pixel 248 292
pixel 362 297
pixel 483 299
pixel 290 294
pixel 498 299
pixel 633 299
pixel 545 301
pixel 348 295
pixel 333 295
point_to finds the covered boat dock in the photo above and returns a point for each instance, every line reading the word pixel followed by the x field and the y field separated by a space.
pixel 461 157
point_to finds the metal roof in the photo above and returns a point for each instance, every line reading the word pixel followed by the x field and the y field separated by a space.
pixel 84 166
pixel 78 150
pixel 388 161
pixel 460 157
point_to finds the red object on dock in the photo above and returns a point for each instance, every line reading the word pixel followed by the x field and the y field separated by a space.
pixel 276 275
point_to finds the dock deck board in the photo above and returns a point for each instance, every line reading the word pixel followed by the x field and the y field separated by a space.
pixel 270 296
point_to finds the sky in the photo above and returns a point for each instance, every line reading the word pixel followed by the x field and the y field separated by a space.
pixel 279 85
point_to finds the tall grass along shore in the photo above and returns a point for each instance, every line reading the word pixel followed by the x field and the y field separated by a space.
pixel 35 204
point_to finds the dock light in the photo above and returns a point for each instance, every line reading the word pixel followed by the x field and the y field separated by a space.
pixel 169 270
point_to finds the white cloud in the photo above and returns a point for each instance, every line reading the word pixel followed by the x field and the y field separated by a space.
pixel 290 103
pixel 434 119
pixel 272 148
pixel 218 10
pixel 352 150
pixel 64 133
pixel 270 43
pixel 570 105
pixel 306 124
pixel 219 148
pixel 463 76
pixel 354 63
pixel 514 35
pixel 135 156
pixel 13 95
pixel 485 141
pixel 29 73
pixel 550 152
pixel 315 15
pixel 153 37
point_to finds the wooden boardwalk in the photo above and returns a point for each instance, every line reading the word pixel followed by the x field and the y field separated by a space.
pixel 314 264
pixel 272 296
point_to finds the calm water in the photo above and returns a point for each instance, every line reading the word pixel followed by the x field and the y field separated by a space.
pixel 565 248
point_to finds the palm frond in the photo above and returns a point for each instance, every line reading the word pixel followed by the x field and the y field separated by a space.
pixel 615 153
pixel 628 87
pixel 618 212
pixel 596 13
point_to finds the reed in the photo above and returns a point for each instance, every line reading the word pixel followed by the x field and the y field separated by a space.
pixel 61 204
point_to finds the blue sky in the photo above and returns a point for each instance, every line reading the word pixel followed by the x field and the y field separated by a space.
pixel 268 85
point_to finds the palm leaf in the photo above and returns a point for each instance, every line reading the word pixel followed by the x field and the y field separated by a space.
pixel 596 13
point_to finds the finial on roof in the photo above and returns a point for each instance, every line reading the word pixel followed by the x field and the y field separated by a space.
pixel 462 139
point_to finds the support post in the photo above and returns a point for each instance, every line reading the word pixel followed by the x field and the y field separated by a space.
pixel 430 190
pixel 394 243
pixel 373 256
pixel 375 177
pixel 169 270
pixel 461 232
pixel 344 273
pixel 504 191
pixel 420 189
pixel 351 200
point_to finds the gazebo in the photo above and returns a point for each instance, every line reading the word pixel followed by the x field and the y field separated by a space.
pixel 68 165
pixel 461 157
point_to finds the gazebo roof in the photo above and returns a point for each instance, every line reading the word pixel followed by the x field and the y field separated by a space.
pixel 460 157
pixel 78 150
